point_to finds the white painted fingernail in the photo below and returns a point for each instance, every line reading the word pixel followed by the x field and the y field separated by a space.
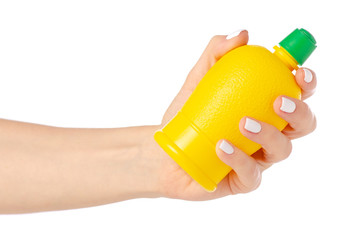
pixel 252 126
pixel 234 34
pixel 308 77
pixel 288 105
pixel 226 147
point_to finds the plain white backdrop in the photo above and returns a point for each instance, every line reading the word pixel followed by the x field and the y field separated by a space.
pixel 75 63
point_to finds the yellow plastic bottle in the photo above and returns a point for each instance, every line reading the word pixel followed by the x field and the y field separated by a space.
pixel 244 82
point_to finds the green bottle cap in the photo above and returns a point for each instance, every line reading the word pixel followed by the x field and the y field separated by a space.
pixel 300 44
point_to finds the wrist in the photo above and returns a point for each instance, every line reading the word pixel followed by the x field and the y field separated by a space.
pixel 139 165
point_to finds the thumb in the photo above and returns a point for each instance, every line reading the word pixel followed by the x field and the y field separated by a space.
pixel 218 46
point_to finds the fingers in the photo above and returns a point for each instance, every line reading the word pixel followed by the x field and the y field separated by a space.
pixel 307 81
pixel 246 174
pixel 275 145
pixel 301 119
pixel 218 46
pixel 228 43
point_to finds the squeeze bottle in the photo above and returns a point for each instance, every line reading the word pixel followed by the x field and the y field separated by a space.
pixel 244 82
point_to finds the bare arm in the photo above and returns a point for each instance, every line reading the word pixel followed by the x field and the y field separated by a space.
pixel 46 168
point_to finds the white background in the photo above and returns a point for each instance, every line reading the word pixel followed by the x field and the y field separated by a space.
pixel 75 63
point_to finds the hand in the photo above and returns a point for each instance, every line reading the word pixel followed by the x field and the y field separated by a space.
pixel 74 168
pixel 174 182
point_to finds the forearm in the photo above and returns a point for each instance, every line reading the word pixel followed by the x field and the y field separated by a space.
pixel 46 168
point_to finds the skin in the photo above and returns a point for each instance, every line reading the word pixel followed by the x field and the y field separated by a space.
pixel 45 168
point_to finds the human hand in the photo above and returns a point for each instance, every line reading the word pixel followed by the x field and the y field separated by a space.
pixel 174 182
pixel 74 168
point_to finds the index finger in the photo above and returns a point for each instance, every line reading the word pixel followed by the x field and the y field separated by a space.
pixel 307 81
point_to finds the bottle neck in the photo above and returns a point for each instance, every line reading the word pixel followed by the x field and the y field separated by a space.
pixel 286 58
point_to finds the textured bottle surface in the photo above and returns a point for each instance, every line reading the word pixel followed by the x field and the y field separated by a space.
pixel 244 82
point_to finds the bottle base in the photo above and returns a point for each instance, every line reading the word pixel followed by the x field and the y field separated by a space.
pixel 184 161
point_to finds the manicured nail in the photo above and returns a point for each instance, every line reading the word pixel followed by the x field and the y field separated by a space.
pixel 252 126
pixel 288 105
pixel 308 77
pixel 226 147
pixel 234 34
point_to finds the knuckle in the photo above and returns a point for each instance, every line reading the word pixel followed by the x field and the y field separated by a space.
pixel 314 123
pixel 255 179
pixel 288 150
pixel 304 108
pixel 271 135
pixel 213 49
pixel 277 146
pixel 302 118
pixel 215 39
pixel 255 185
pixel 304 122
pixel 248 184
pixel 310 123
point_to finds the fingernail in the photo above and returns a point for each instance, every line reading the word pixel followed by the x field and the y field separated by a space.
pixel 308 77
pixel 288 105
pixel 234 34
pixel 252 126
pixel 226 147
